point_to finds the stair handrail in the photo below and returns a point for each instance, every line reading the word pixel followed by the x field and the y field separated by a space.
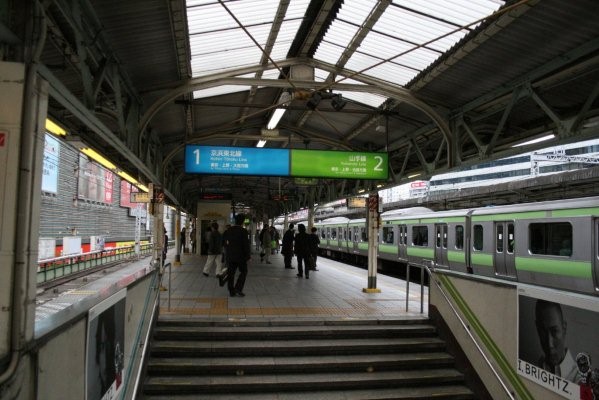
pixel 138 343
pixel 465 326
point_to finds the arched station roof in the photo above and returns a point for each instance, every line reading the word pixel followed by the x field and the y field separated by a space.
pixel 436 84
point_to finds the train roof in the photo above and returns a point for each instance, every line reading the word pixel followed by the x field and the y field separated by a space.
pixel 333 220
pixel 586 202
pixel 406 211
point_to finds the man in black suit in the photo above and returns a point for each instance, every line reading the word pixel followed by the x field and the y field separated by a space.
pixel 237 247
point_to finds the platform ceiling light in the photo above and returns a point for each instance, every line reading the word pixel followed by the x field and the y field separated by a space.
pixel 261 143
pixel 537 140
pixel 100 159
pixel 127 177
pixel 54 128
pixel 275 118
pixel 413 176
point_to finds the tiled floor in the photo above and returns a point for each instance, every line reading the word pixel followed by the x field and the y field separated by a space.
pixel 334 291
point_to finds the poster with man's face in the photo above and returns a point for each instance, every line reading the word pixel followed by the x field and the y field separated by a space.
pixel 558 341
pixel 105 354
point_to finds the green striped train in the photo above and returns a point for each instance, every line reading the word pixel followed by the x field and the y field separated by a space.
pixel 552 243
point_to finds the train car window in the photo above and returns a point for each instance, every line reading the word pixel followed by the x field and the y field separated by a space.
pixel 499 238
pixel 388 234
pixel 355 239
pixel 438 238
pixel 420 236
pixel 511 238
pixel 459 237
pixel 554 239
pixel 334 233
pixel 323 234
pixel 477 233
pixel 363 234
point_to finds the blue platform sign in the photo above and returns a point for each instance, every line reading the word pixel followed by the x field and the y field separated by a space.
pixel 223 160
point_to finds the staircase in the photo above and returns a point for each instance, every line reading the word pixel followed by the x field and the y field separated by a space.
pixel 267 360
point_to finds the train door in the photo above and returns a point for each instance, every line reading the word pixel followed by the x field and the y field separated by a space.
pixel 441 245
pixel 402 242
pixel 595 250
pixel 505 261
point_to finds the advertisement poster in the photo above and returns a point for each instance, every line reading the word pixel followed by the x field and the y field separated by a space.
pixel 558 342
pixel 95 182
pixel 50 165
pixel 105 354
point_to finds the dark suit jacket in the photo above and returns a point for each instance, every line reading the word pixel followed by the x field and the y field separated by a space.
pixel 237 244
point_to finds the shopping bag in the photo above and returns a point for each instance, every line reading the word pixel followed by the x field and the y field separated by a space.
pixel 224 276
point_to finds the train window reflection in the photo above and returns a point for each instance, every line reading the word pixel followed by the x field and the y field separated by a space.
pixel 403 235
pixel 334 233
pixel 420 236
pixel 499 238
pixel 364 234
pixel 554 239
pixel 510 238
pixel 459 237
pixel 388 234
pixel 477 241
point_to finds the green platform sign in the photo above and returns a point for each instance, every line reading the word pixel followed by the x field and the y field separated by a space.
pixel 339 164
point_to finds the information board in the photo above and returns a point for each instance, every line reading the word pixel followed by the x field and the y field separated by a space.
pixel 339 164
pixel 284 162
pixel 236 160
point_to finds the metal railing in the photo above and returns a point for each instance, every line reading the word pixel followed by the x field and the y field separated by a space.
pixel 60 267
pixel 450 301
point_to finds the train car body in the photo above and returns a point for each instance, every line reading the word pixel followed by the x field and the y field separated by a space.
pixel 552 243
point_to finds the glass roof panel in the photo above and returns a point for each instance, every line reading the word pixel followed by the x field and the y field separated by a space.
pixel 271 74
pixel 386 47
pixel 217 42
pixel 285 38
pixel 460 12
pixel 404 27
pixel 329 52
pixel 388 71
pixel 370 99
pixel 340 33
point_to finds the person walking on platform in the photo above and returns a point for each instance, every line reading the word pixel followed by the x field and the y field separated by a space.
pixel 287 247
pixel 182 241
pixel 215 249
pixel 237 248
pixel 314 243
pixel 164 248
pixel 192 237
pixel 257 239
pixel 265 239
pixel 274 236
pixel 302 251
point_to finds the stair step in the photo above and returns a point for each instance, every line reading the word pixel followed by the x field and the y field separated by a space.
pixel 294 347
pixel 293 382
pixel 289 332
pixel 439 392
pixel 306 364
pixel 170 320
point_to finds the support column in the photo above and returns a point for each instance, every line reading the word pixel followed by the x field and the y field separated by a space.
pixel 373 243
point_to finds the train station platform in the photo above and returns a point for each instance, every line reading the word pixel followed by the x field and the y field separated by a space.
pixel 334 291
